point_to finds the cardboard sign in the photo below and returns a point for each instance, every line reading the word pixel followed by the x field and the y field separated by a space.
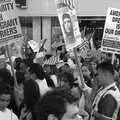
pixel 111 35
pixel 10 29
pixel 83 49
pixel 69 24
pixel 34 45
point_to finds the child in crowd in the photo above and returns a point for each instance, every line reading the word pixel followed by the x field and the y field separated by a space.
pixel 5 96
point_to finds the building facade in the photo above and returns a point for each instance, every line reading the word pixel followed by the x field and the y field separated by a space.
pixel 39 19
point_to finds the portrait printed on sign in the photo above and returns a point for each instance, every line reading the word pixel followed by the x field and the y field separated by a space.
pixel 68 29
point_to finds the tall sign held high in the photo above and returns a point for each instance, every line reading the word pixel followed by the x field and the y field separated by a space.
pixel 69 24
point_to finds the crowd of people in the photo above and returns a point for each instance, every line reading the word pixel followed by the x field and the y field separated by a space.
pixel 52 91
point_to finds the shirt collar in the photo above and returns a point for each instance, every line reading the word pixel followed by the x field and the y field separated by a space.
pixel 109 86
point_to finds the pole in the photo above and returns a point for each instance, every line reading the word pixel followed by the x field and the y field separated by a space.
pixel 12 68
pixel 113 58
pixel 79 69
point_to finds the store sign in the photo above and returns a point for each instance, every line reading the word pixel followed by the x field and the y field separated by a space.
pixel 111 35
pixel 69 24
pixel 10 29
pixel 21 3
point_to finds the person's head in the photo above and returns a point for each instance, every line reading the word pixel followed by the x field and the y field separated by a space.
pixel 65 68
pixel 5 96
pixel 67 25
pixel 5 76
pixel 67 80
pixel 36 71
pixel 93 65
pixel 17 62
pixel 85 71
pixel 20 76
pixel 58 104
pixel 105 73
pixel 23 65
pixel 47 68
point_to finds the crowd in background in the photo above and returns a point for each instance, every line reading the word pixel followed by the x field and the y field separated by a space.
pixel 44 90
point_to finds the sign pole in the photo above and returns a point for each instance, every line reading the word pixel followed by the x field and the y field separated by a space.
pixel 113 58
pixel 12 68
pixel 79 69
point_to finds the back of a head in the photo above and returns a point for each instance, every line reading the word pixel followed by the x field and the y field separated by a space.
pixel 17 63
pixel 54 102
pixel 106 66
pixel 38 70
pixel 31 93
pixel 20 77
pixel 4 88
pixel 5 76
pixel 67 78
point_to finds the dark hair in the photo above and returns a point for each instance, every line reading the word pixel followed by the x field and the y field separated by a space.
pixel 4 88
pixel 20 77
pixel 31 93
pixel 54 102
pixel 17 63
pixel 5 76
pixel 106 66
pixel 38 70
pixel 67 77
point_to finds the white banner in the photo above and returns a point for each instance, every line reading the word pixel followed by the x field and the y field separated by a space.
pixel 34 45
pixel 111 35
pixel 10 29
pixel 69 24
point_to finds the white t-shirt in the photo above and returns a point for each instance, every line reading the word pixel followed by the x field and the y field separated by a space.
pixel 43 86
pixel 7 115
pixel 54 78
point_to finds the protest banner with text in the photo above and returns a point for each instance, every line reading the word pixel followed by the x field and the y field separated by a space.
pixel 111 35
pixel 10 29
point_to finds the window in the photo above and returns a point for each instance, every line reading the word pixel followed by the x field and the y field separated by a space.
pixel 27 27
pixel 21 3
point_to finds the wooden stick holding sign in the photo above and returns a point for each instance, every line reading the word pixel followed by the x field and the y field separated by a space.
pixel 12 67
pixel 81 82
pixel 70 29
pixel 42 46
pixel 18 91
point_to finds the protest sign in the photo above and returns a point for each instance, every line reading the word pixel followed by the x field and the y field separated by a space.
pixel 69 24
pixel 111 35
pixel 34 45
pixel 83 49
pixel 10 29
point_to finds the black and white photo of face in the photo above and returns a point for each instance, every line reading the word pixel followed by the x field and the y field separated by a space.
pixel 67 24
